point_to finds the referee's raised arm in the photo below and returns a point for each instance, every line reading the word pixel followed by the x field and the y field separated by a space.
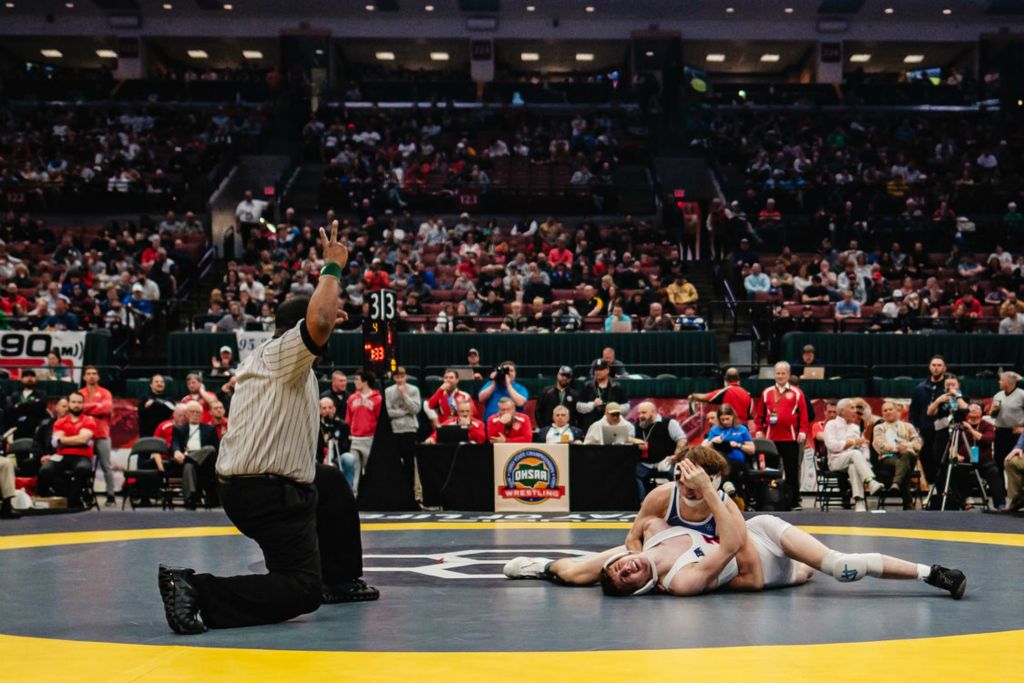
pixel 322 313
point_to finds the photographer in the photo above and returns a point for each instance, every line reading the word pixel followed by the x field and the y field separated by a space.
pixel 502 385
pixel 333 442
pixel 949 407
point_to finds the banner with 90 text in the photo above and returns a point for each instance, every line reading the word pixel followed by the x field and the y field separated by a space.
pixel 21 350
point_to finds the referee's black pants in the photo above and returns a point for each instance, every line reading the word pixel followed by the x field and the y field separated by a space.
pixel 304 544
pixel 789 454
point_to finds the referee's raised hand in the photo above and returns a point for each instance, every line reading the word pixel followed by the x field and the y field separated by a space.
pixel 333 250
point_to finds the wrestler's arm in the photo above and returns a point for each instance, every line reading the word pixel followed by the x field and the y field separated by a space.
pixel 653 507
pixel 581 571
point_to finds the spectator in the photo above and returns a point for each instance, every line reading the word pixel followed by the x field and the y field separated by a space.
pixel 732 439
pixel 561 393
pixel 657 321
pixel 218 419
pixel 681 292
pixel 223 366
pixel 155 407
pixel 848 452
pixel 559 431
pixel 848 307
pixel 617 318
pixel 1007 407
pixel 566 318
pixel 247 216
pixel 443 404
pixel 476 431
pixel 337 392
pixel 193 457
pixel 1014 466
pixel 897 444
pixel 689 320
pixel 361 413
pixel 473 362
pixel 782 418
pixel 1012 322
pixel 611 429
pixel 924 394
pixel 197 392
pixel 597 394
pixel 515 321
pixel 236 319
pixel 61 319
pixel 334 441
pixel 26 407
pixel 756 282
pixel 73 436
pixel 99 405
pixel 1013 220
pixel 808 359
pixel 505 386
pixel 403 405
pixel 732 395
pixel 508 426
pixel 659 439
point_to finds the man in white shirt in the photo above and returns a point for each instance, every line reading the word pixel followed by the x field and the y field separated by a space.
pixel 612 429
pixel 848 451
pixel 247 216
pixel 560 431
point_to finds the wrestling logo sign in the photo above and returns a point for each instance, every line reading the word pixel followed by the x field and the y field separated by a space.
pixel 534 475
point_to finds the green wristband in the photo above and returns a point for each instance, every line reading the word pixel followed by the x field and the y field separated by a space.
pixel 331 269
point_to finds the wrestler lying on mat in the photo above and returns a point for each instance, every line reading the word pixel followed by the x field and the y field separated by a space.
pixel 677 558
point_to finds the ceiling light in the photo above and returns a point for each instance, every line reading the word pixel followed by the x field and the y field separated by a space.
pixel 714 57
pixel 9 5
pixel 913 59
pixel 106 54
pixel 252 54
pixel 228 7
pixel 385 56
pixel 198 54
pixel 52 54
pixel 947 11
pixel 428 8
pixel 860 58
pixel 730 10
pixel 888 10
pixel 529 56
pixel 370 8
pixel 319 51
pixel 788 10
pixel 589 8
pixel 168 6
pixel 439 56
pixel 584 56
pixel 769 57
pixel 69 5
pixel 649 53
pixel 531 8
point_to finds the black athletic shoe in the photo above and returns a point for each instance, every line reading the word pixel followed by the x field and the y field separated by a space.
pixel 181 600
pixel 952 580
pixel 355 590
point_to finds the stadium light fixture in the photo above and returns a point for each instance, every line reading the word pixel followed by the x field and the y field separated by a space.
pixel 769 57
pixel 439 56
pixel 428 8
pixel 788 10
pixel 228 7
pixel 106 54
pixel 584 56
pixel 730 10
pixel 252 54
pixel 385 56
pixel 198 54
pixel 649 53
pixel 714 57
pixel 947 11
pixel 531 8
pixel 51 53
pixel 370 8
pixel 69 5
pixel 889 10
pixel 913 59
pixel 860 58
pixel 590 9
pixel 168 6
pixel 529 56
pixel 9 5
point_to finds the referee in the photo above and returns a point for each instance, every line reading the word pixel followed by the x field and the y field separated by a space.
pixel 303 516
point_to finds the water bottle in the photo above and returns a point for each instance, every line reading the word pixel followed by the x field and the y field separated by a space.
pixel 760 462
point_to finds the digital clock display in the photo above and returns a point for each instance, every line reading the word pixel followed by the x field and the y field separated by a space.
pixel 380 340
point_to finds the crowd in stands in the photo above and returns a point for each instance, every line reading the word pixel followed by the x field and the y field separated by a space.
pixel 388 158
pixel 468 274
pixel 102 157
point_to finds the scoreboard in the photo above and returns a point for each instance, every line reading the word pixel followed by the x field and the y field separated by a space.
pixel 380 333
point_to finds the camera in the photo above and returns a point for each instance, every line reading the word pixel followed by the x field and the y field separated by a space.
pixel 501 374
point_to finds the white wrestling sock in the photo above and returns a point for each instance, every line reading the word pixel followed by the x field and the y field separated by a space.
pixel 923 572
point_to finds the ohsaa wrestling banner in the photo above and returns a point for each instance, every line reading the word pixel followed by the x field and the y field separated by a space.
pixel 248 341
pixel 531 476
pixel 29 350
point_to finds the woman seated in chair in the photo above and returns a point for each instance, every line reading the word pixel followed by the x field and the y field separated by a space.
pixel 731 440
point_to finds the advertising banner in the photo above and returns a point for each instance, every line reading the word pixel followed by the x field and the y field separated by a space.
pixel 30 349
pixel 531 477
pixel 248 341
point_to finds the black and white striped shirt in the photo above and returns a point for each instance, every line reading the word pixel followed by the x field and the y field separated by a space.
pixel 275 413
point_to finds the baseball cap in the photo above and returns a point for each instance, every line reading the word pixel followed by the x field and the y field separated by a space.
pixel 473 352
pixel 226 349
pixel 612 408
pixel 138 288
pixel 601 364
pixel 565 370
pixel 808 349
pixel 898 294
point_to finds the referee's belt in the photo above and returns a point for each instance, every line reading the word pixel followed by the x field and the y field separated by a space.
pixel 241 478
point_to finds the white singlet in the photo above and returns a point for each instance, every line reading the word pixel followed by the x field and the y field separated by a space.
pixel 700 547
pixel 778 569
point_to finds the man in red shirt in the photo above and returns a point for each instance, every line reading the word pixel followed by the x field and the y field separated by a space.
pixel 361 413
pixel 731 395
pixel 165 429
pixel 508 426
pixel 464 418
pixel 99 405
pixel 13 298
pixel 218 419
pixel 197 392
pixel 444 403
pixel 73 438
pixel 782 418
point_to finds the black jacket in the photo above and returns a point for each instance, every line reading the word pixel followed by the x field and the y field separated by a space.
pixel 549 400
pixel 611 393
pixel 25 414
pixel 179 437
pixel 158 411
pixel 923 395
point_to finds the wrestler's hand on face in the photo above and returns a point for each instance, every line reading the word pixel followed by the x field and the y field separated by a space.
pixel 694 477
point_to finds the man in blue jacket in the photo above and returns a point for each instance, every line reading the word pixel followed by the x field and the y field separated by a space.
pixel 924 394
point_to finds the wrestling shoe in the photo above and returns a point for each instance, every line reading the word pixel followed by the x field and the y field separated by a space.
pixel 952 580
pixel 181 600
pixel 527 567
pixel 355 590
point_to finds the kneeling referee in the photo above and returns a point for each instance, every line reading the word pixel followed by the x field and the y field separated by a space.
pixel 303 516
